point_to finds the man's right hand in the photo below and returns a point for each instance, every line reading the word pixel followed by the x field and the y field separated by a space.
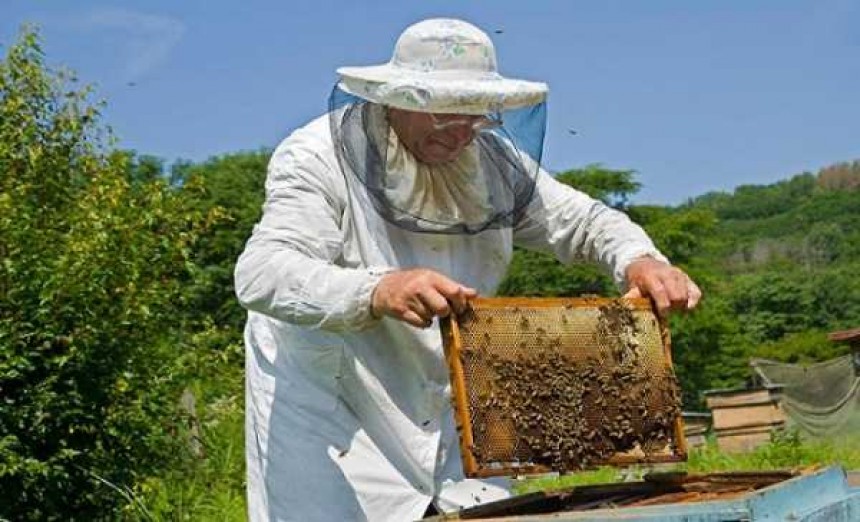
pixel 418 295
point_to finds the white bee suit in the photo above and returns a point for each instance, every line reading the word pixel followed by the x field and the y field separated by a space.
pixel 348 417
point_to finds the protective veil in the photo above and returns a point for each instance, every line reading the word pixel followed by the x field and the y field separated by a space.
pixel 495 174
pixel 348 417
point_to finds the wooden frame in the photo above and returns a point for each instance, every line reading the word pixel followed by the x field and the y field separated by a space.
pixel 452 342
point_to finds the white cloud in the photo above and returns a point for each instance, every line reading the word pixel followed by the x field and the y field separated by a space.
pixel 145 39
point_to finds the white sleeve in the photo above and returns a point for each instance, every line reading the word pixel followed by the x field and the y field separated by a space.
pixel 573 226
pixel 289 268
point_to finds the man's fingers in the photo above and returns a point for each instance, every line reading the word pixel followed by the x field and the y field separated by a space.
pixel 655 288
pixel 417 305
pixel 633 293
pixel 416 320
pixel 672 294
pixel 457 294
pixel 668 286
pixel 676 284
pixel 460 300
pixel 694 294
pixel 435 303
pixel 418 295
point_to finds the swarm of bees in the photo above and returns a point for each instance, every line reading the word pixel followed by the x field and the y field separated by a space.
pixel 567 413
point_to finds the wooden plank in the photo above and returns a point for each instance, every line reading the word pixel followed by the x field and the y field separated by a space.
pixel 741 397
pixel 743 442
pixel 741 416
pixel 451 333
pixel 555 302
pixel 678 438
pixel 845 335
pixel 758 428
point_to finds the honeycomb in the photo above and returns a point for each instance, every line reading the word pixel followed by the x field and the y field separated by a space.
pixel 562 384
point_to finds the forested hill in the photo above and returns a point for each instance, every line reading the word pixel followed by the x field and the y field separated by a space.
pixel 779 267
pixel 807 219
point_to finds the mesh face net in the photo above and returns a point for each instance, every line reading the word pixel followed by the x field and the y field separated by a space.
pixel 487 186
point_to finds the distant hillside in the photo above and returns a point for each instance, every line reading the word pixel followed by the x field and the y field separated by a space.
pixel 779 269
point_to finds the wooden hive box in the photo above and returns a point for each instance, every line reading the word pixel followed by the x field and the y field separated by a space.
pixel 744 418
pixel 697 425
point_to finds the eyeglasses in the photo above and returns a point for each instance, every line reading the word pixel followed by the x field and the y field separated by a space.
pixel 474 123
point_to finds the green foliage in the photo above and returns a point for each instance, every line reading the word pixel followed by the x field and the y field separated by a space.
pixel 707 350
pixel 786 450
pixel 211 486
pixel 613 187
pixel 141 169
pixel 233 184
pixel 92 281
pixel 539 274
pixel 601 475
pixel 761 201
pixel 778 271
pixel 773 304
pixel 800 348
pixel 682 235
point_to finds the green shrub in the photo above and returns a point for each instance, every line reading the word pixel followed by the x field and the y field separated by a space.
pixel 93 271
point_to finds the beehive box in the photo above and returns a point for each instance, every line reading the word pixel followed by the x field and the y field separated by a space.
pixel 803 495
pixel 744 419
pixel 697 425
pixel 561 384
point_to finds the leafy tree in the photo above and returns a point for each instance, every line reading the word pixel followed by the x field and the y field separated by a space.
pixel 92 274
pixel 682 235
pixel 840 176
pixel 772 304
pixel 539 274
pixel 234 185
pixel 707 350
pixel 761 201
pixel 140 169
pixel 803 347
pixel 613 187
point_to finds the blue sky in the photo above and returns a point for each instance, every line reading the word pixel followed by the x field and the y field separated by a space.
pixel 694 95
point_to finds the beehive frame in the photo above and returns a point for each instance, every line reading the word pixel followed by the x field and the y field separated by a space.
pixel 455 333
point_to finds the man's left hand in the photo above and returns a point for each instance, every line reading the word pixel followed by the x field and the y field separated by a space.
pixel 669 287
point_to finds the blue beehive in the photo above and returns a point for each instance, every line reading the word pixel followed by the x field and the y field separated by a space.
pixel 823 496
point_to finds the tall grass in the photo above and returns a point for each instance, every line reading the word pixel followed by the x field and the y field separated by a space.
pixel 786 450
pixel 209 485
pixel 211 488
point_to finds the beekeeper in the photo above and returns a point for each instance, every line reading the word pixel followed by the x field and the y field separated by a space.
pixel 392 210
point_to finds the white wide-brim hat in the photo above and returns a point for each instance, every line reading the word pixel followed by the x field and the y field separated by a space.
pixel 443 66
